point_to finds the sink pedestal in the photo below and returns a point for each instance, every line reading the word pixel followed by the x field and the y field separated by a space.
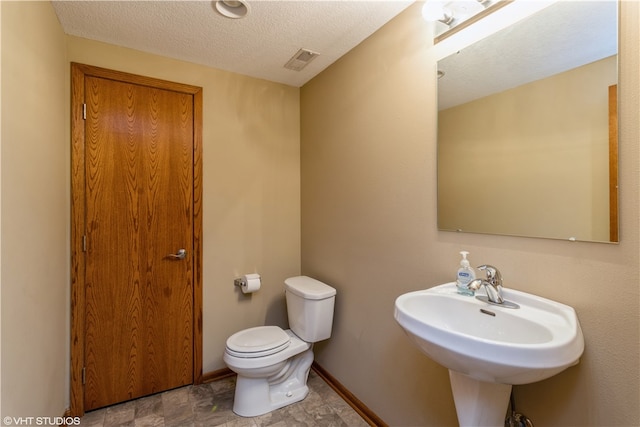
pixel 479 403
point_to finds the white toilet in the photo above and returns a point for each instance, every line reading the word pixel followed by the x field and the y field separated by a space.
pixel 273 364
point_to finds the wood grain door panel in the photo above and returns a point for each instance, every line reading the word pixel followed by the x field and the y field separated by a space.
pixel 136 307
pixel 139 170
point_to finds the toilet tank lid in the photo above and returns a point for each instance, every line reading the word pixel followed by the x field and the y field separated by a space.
pixel 309 288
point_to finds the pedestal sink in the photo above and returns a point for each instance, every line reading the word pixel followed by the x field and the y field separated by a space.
pixel 488 348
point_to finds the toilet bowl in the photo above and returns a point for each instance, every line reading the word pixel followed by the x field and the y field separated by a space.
pixel 271 381
pixel 272 363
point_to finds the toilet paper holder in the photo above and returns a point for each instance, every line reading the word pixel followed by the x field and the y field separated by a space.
pixel 242 281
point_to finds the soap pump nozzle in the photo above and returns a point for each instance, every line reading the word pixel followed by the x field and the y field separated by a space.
pixel 464 261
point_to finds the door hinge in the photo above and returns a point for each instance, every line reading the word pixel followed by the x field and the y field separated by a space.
pixel 84 243
pixel 84 111
pixel 84 375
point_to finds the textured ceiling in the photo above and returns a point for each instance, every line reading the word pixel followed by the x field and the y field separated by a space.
pixel 257 45
pixel 561 37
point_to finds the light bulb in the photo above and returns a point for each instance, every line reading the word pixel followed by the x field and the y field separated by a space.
pixel 435 11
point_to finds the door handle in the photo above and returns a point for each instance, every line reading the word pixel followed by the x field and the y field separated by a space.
pixel 181 254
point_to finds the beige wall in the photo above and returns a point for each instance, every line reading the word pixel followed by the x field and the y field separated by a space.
pixel 542 148
pixel 35 212
pixel 368 151
pixel 251 199
pixel 251 195
pixel 0 214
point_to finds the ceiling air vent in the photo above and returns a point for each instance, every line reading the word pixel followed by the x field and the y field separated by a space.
pixel 300 59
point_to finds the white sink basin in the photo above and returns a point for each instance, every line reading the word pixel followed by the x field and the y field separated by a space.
pixel 512 346
pixel 486 343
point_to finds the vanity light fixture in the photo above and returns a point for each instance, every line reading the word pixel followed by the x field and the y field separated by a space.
pixel 233 9
pixel 457 14
pixel 436 11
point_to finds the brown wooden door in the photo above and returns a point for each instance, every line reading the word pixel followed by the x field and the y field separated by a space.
pixel 138 320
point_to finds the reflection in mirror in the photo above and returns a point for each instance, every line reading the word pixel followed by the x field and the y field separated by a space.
pixel 524 123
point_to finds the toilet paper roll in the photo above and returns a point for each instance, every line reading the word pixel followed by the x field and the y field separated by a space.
pixel 250 283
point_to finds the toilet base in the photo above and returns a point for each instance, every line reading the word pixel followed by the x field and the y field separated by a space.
pixel 258 396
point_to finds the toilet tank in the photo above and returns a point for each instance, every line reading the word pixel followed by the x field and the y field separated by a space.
pixel 309 307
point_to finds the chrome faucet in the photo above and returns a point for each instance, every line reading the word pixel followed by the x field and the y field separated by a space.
pixel 492 283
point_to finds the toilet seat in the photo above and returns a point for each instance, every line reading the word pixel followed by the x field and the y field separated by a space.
pixel 258 342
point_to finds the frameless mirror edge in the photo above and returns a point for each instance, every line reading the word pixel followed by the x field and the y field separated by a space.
pixel 557 238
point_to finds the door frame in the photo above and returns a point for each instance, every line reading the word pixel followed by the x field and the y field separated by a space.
pixel 613 164
pixel 78 207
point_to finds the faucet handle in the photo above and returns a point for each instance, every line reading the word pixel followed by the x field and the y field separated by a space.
pixel 493 274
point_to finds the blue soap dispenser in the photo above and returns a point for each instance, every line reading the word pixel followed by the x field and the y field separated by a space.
pixel 465 275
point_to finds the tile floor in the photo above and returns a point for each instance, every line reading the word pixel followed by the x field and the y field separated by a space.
pixel 210 405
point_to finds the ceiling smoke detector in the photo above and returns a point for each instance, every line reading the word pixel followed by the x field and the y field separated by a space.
pixel 301 59
pixel 234 9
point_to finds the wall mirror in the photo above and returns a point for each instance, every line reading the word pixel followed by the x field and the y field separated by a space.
pixel 527 127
